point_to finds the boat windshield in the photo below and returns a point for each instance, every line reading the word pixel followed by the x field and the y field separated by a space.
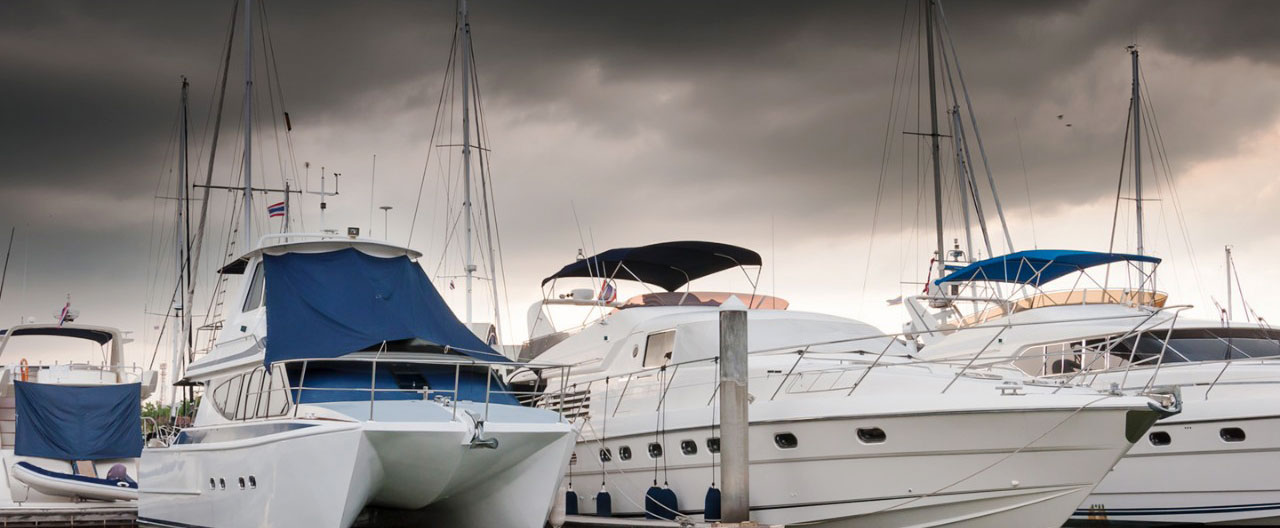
pixel 751 301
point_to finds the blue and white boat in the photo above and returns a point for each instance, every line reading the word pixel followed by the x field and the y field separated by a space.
pixel 369 400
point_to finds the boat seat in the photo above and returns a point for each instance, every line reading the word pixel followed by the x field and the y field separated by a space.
pixel 84 468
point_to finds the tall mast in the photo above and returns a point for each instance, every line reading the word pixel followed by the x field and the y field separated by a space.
pixel 248 126
pixel 933 136
pixel 181 236
pixel 466 145
pixel 1137 146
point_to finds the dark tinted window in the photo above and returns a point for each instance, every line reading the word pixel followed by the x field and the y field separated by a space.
pixel 785 441
pixel 254 298
pixel 655 450
pixel 871 435
pixel 606 455
pixel 624 453
pixel 1199 344
pixel 713 445
pixel 1232 434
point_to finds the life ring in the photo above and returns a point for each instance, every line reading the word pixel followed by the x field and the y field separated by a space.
pixel 22 367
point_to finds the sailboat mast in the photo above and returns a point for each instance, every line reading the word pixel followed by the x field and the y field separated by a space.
pixel 181 235
pixel 466 146
pixel 933 136
pixel 1229 268
pixel 248 126
pixel 1137 147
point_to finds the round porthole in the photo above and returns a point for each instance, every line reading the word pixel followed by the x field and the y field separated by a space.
pixel 688 447
pixel 1159 438
pixel 871 435
pixel 606 455
pixel 635 351
pixel 713 444
pixel 655 450
pixel 624 453
pixel 785 441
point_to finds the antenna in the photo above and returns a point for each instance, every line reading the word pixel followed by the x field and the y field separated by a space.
pixel 324 193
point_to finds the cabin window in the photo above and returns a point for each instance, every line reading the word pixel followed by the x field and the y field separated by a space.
pixel 624 453
pixel 226 396
pixel 253 482
pixel 713 444
pixel 871 435
pixel 1232 434
pixel 658 348
pixel 785 441
pixel 655 450
pixel 606 455
pixel 252 393
pixel 688 447
pixel 254 299
pixel 1159 438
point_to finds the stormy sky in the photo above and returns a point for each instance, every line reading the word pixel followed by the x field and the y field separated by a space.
pixel 763 124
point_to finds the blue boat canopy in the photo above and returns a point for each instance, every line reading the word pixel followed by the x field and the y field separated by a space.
pixel 1036 267
pixel 325 305
pixel 78 423
pixel 668 265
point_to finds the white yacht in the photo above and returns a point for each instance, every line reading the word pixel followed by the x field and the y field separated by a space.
pixel 844 429
pixel 70 422
pixel 1216 462
pixel 368 395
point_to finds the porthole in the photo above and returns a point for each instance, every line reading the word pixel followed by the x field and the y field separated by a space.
pixel 688 447
pixel 212 484
pixel 222 484
pixel 241 482
pixel 624 452
pixel 635 351
pixel 1159 438
pixel 253 482
pixel 785 441
pixel 871 435
pixel 1232 434
pixel 655 450
pixel 606 455
pixel 713 444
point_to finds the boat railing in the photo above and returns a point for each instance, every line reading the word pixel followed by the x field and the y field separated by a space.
pixel 854 358
pixel 271 395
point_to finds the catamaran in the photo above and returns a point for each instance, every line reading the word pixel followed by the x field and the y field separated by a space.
pixel 341 388
pixel 844 429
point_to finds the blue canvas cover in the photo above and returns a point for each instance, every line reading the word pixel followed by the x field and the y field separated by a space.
pixel 324 305
pixel 78 423
pixel 1038 266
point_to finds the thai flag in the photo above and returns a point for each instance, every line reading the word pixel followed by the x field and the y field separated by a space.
pixel 608 293
pixel 66 310
pixel 275 209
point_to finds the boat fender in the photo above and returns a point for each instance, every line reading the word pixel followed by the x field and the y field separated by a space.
pixel 711 508
pixel 660 503
pixel 570 502
pixel 604 504
pixel 23 368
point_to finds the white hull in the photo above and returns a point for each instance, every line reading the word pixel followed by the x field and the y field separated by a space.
pixel 961 469
pixel 324 473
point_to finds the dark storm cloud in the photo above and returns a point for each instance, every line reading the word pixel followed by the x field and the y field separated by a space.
pixel 702 112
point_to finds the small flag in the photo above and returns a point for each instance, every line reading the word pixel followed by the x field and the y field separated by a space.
pixel 66 311
pixel 608 293
pixel 275 209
